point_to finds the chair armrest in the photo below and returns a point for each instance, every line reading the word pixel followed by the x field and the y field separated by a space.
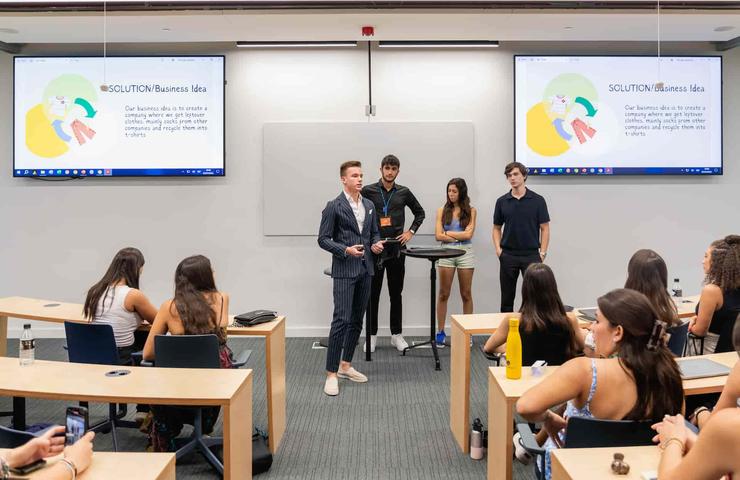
pixel 241 359
pixel 494 357
pixel 528 441
pixel 146 363
pixel 137 357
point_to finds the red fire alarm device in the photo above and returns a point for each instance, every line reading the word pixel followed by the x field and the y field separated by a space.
pixel 368 31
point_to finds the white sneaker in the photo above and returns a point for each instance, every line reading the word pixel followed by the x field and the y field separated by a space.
pixel 520 453
pixel 373 341
pixel 331 387
pixel 352 374
pixel 398 342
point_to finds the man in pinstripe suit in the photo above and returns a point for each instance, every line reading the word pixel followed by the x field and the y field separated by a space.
pixel 348 229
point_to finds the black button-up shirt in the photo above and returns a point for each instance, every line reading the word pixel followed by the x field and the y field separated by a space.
pixel 521 220
pixel 393 203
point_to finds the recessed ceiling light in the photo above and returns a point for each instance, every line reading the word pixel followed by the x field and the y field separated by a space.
pixel 8 30
pixel 724 28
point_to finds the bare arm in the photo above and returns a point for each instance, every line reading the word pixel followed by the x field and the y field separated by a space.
pixel 709 301
pixel 466 234
pixel 498 338
pixel 715 453
pixel 159 327
pixel 439 233
pixel 544 236
pixel 496 235
pixel 137 302
pixel 731 392
pixel 566 383
pixel 224 320
pixel 580 332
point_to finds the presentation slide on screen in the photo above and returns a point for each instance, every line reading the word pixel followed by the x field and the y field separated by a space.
pixel 157 116
pixel 598 115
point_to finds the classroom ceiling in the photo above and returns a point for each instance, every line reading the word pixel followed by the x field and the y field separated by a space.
pixel 230 25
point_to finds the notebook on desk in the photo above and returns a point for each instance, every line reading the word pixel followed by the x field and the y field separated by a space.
pixel 701 368
pixel 588 313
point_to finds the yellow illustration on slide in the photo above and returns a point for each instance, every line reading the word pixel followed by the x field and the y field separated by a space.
pixel 64 115
pixel 563 117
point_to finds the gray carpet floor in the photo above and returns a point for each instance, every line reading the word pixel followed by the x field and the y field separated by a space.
pixel 396 426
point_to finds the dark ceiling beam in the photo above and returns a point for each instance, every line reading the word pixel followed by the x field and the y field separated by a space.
pixel 165 5
pixel 728 45
pixel 10 47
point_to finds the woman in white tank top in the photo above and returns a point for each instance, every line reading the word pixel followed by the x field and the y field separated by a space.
pixel 116 300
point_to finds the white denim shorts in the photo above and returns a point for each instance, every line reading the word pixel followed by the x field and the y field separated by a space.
pixel 463 261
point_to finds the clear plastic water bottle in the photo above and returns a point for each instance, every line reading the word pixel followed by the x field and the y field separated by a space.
pixel 676 290
pixel 27 347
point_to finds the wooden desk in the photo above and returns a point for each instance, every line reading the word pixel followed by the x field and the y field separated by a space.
pixel 274 333
pixel 229 388
pixel 595 463
pixel 686 309
pixel 138 465
pixel 463 326
pixel 503 394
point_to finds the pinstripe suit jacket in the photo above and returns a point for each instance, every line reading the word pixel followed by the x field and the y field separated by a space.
pixel 338 230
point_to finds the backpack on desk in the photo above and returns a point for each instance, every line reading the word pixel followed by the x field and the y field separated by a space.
pixel 255 317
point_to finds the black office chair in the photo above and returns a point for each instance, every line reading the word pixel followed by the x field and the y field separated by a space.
pixel 695 343
pixel 677 342
pixel 10 438
pixel 194 351
pixel 95 344
pixel 589 433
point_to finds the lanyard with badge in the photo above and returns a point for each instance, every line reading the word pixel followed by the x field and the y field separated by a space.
pixel 385 220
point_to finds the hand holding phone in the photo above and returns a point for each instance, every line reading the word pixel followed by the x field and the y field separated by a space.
pixel 77 424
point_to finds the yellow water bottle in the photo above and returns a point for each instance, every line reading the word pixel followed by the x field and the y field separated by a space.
pixel 513 350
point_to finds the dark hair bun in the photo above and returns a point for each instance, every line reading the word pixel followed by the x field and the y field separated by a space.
pixel 732 239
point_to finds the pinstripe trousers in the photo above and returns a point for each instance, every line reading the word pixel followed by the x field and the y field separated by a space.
pixel 350 302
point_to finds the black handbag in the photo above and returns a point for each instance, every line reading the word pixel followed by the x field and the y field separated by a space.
pixel 261 456
pixel 255 317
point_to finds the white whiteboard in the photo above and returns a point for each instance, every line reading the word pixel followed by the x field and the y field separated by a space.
pixel 300 166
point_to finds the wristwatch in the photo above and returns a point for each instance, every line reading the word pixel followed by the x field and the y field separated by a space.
pixel 412 232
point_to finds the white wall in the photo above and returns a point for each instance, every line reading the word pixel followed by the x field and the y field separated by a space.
pixel 57 238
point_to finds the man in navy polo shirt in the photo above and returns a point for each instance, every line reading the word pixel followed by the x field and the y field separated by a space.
pixel 523 217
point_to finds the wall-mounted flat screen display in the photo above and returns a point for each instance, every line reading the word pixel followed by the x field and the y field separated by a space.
pixel 118 116
pixel 618 115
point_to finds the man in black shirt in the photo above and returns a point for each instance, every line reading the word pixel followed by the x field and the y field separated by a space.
pixel 526 231
pixel 390 201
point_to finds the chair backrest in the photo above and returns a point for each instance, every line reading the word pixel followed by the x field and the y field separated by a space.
pixel 678 338
pixel 91 343
pixel 186 351
pixel 10 438
pixel 585 432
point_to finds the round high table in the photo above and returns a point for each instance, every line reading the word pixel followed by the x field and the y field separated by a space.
pixel 432 254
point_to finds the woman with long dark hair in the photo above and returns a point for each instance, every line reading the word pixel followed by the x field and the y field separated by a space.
pixel 547 331
pixel 116 300
pixel 638 378
pixel 197 309
pixel 455 228
pixel 719 303
pixel 648 274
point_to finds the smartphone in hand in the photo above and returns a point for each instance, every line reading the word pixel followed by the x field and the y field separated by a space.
pixel 77 424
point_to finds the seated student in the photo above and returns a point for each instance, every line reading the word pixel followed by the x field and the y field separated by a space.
pixel 711 454
pixel 117 301
pixel 638 379
pixel 547 332
pixel 719 302
pixel 730 393
pixel 197 309
pixel 77 457
pixel 647 273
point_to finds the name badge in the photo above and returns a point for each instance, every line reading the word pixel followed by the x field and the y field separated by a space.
pixel 385 221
